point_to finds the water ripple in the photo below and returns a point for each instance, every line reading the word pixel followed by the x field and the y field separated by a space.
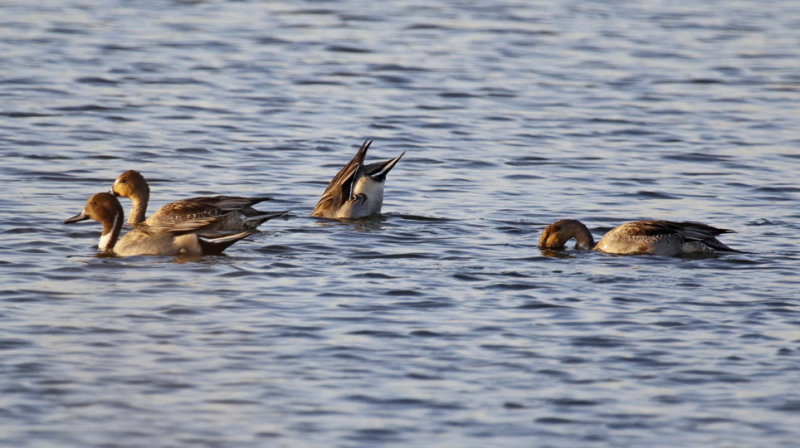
pixel 440 322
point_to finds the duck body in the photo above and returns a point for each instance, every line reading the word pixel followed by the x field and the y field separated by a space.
pixel 236 213
pixel 172 243
pixel 656 237
pixel 357 189
pixel 650 237
pixel 183 238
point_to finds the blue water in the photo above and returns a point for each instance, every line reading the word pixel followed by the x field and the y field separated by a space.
pixel 439 323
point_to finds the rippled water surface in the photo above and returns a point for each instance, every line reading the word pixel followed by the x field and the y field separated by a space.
pixel 439 323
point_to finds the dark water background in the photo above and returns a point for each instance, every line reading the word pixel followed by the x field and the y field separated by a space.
pixel 441 323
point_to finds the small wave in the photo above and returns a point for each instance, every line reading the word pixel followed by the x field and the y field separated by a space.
pixel 25 115
pixel 96 80
pixel 87 108
pixel 598 341
pixel 347 49
pixel 655 195
pixel 696 157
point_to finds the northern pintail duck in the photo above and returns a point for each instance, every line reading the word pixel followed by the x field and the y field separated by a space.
pixel 237 211
pixel 357 189
pixel 638 238
pixel 176 239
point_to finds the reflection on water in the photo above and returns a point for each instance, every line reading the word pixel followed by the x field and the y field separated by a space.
pixel 440 322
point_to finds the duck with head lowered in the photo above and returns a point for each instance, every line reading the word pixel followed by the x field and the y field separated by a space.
pixel 652 237
pixel 357 189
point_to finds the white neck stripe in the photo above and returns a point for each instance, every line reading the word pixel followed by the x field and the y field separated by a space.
pixel 105 239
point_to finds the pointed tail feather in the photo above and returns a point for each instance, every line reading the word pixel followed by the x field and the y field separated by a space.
pixel 255 220
pixel 257 199
pixel 719 246
pixel 215 245
pixel 699 231
pixel 229 203
pixel 384 170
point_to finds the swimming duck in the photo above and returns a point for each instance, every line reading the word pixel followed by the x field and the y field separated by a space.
pixel 357 189
pixel 237 211
pixel 638 238
pixel 176 239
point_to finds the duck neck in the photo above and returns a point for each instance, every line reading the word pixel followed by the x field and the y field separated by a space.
pixel 139 206
pixel 556 235
pixel 111 230
pixel 583 238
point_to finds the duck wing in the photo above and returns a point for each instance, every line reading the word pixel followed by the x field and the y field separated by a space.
pixel 340 187
pixel 181 227
pixel 689 230
pixel 222 202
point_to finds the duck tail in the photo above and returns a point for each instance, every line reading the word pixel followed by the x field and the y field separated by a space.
pixel 719 245
pixel 380 175
pixel 215 245
pixel 255 220
pixel 256 199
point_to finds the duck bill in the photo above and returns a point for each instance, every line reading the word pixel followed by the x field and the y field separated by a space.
pixel 77 218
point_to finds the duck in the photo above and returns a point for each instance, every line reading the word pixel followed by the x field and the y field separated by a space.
pixel 181 238
pixel 237 211
pixel 650 237
pixel 357 189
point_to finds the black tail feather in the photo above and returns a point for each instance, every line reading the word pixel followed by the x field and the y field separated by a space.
pixel 215 245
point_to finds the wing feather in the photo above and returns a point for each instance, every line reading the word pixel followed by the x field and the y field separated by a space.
pixel 339 189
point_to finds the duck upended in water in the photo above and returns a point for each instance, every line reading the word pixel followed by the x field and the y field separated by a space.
pixel 357 189
pixel 638 238
pixel 176 239
pixel 237 211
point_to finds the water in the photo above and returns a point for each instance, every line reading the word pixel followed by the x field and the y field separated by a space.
pixel 440 323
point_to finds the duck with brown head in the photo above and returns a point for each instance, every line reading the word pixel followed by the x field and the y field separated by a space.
pixel 556 235
pixel 652 237
pixel 238 211
pixel 177 239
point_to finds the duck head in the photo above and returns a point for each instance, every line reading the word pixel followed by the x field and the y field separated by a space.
pixel 105 209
